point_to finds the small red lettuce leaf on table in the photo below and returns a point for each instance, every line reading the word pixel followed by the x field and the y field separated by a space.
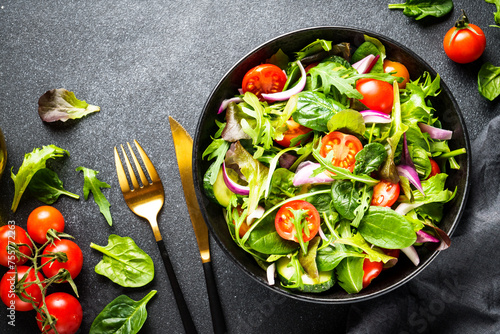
pixel 61 105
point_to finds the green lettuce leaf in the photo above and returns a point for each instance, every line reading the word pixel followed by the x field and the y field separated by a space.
pixel 92 183
pixel 32 163
pixel 61 105
pixel 488 80
pixel 46 186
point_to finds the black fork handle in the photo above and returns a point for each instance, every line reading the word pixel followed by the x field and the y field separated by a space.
pixel 187 321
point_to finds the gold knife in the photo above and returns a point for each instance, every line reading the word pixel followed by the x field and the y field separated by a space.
pixel 183 144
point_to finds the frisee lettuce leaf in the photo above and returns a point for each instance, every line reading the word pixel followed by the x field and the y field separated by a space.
pixel 92 183
pixel 60 105
pixel 32 163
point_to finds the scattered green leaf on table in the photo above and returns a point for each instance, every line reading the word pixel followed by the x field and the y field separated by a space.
pixel 32 163
pixel 422 8
pixel 124 262
pixel 46 186
pixel 497 13
pixel 92 183
pixel 61 105
pixel 488 80
pixel 122 316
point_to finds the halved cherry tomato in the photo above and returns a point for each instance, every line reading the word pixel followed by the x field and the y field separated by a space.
pixel 244 226
pixel 311 65
pixel 265 78
pixel 41 220
pixel 435 168
pixel 385 193
pixel 294 130
pixel 370 271
pixel 377 94
pixel 465 42
pixel 400 69
pixel 67 311
pixel 284 221
pixel 13 234
pixel 73 252
pixel 345 148
pixel 31 290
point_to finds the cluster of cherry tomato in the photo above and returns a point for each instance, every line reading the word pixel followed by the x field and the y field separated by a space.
pixel 64 307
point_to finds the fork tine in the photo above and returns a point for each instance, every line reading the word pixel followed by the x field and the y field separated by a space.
pixel 122 177
pixel 133 178
pixel 149 165
pixel 144 180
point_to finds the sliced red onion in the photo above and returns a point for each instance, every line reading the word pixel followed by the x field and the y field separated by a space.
pixel 304 172
pixel 435 133
pixel 233 186
pixel 271 269
pixel 225 103
pixel 425 237
pixel 412 254
pixel 404 208
pixel 374 116
pixel 411 174
pixel 255 214
pixel 366 64
pixel 322 234
pixel 285 95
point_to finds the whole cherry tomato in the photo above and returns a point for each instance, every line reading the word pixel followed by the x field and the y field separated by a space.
pixel 377 95
pixel 435 168
pixel 67 311
pixel 73 252
pixel 370 271
pixel 13 234
pixel 400 69
pixel 465 42
pixel 31 290
pixel 41 220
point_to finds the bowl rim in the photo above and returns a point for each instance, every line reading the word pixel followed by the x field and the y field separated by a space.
pixel 317 298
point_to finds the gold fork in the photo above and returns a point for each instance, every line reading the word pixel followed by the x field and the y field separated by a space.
pixel 146 200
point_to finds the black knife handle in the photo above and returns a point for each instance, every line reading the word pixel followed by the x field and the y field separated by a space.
pixel 218 321
pixel 187 321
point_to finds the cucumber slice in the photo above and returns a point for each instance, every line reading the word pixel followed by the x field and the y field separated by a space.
pixel 218 192
pixel 286 271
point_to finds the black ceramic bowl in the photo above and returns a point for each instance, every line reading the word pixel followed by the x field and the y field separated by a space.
pixel 446 108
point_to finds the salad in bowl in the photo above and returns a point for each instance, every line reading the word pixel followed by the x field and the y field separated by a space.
pixel 330 164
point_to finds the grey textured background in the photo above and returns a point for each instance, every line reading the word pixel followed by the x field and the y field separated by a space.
pixel 141 61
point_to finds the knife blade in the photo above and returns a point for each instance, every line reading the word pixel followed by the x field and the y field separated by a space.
pixel 183 144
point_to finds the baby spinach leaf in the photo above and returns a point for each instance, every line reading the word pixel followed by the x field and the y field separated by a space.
pixel 371 46
pixel 92 183
pixel 370 158
pixel 281 186
pixel 61 105
pixel 122 316
pixel 46 186
pixel 265 239
pixel 329 257
pixel 322 202
pixel 345 198
pixel 314 110
pixel 422 8
pixel 32 163
pixel 124 262
pixel 385 228
pixel 488 80
pixel 350 274
pixel 347 120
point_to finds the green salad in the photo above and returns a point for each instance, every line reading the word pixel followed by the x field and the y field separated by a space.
pixel 328 163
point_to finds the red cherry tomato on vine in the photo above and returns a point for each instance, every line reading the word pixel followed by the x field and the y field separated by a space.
pixel 66 309
pixel 41 220
pixel 377 94
pixel 13 234
pixel 465 42
pixel 294 130
pixel 435 168
pixel 385 193
pixel 370 271
pixel 345 148
pixel 265 78
pixel 285 216
pixel 400 69
pixel 73 252
pixel 31 290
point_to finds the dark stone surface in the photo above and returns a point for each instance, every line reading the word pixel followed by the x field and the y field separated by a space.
pixel 141 61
